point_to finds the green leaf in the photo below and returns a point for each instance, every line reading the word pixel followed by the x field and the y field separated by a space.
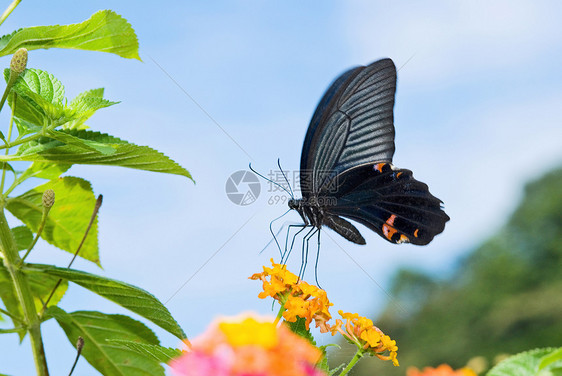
pixel 131 297
pixel 299 327
pixel 104 31
pixel 155 352
pixel 126 154
pixel 45 170
pixel 99 330
pixel 525 364
pixel 68 218
pixel 85 105
pixel 40 97
pixel 554 356
pixel 41 285
pixel 85 145
pixel 23 237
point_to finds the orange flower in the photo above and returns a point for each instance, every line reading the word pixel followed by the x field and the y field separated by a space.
pixel 442 370
pixel 296 296
pixel 366 336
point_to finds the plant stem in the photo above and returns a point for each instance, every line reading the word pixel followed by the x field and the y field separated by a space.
pixel 21 141
pixel 9 10
pixel 23 292
pixel 358 355
pixel 7 142
pixel 279 314
pixel 13 317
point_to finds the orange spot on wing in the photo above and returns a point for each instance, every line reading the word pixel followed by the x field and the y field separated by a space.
pixel 387 228
pixel 378 167
pixel 403 239
pixel 416 232
pixel 398 174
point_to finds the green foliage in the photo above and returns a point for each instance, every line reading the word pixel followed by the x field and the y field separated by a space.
pixel 124 155
pixel 23 237
pixel 98 329
pixel 155 352
pixel 530 363
pixel 41 286
pixel 105 31
pixel 68 218
pixel 133 298
pixel 299 327
pixel 504 298
pixel 52 134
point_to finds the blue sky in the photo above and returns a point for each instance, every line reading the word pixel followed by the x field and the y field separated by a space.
pixel 477 115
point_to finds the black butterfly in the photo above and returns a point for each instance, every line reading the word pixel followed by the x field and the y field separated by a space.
pixel 346 164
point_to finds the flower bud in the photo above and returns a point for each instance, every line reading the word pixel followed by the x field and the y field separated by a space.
pixel 80 343
pixel 48 198
pixel 19 61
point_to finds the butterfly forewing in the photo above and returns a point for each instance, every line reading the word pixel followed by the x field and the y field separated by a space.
pixel 352 125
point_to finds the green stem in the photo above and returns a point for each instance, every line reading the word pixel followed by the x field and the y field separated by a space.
pixel 21 141
pixel 8 141
pixel 358 355
pixel 13 317
pixel 9 10
pixel 23 293
pixel 13 330
pixel 279 314
pixel 37 235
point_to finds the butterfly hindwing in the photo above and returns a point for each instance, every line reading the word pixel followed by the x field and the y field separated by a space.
pixel 389 201
pixel 352 125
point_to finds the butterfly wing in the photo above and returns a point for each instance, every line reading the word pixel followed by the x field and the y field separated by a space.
pixel 389 201
pixel 352 125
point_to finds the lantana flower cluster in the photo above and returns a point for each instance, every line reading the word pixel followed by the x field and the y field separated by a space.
pixel 248 346
pixel 442 370
pixel 300 299
pixel 297 297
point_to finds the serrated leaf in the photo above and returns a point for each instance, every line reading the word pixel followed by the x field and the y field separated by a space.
pixel 126 154
pixel 98 330
pixel 68 218
pixel 104 31
pixel 86 145
pixel 41 285
pixel 40 96
pixel 23 237
pixel 299 327
pixel 128 296
pixel 554 356
pixel 523 364
pixel 45 170
pixel 157 353
pixel 85 105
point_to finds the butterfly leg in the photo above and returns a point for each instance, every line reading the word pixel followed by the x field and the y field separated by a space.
pixel 317 258
pixel 304 258
pixel 286 254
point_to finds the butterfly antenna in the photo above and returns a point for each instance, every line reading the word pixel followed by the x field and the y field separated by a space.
pixel 269 180
pixel 285 176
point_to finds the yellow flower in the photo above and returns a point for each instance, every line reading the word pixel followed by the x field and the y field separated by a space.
pixel 250 332
pixel 296 296
pixel 367 337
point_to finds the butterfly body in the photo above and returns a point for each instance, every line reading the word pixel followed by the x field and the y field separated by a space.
pixel 346 165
